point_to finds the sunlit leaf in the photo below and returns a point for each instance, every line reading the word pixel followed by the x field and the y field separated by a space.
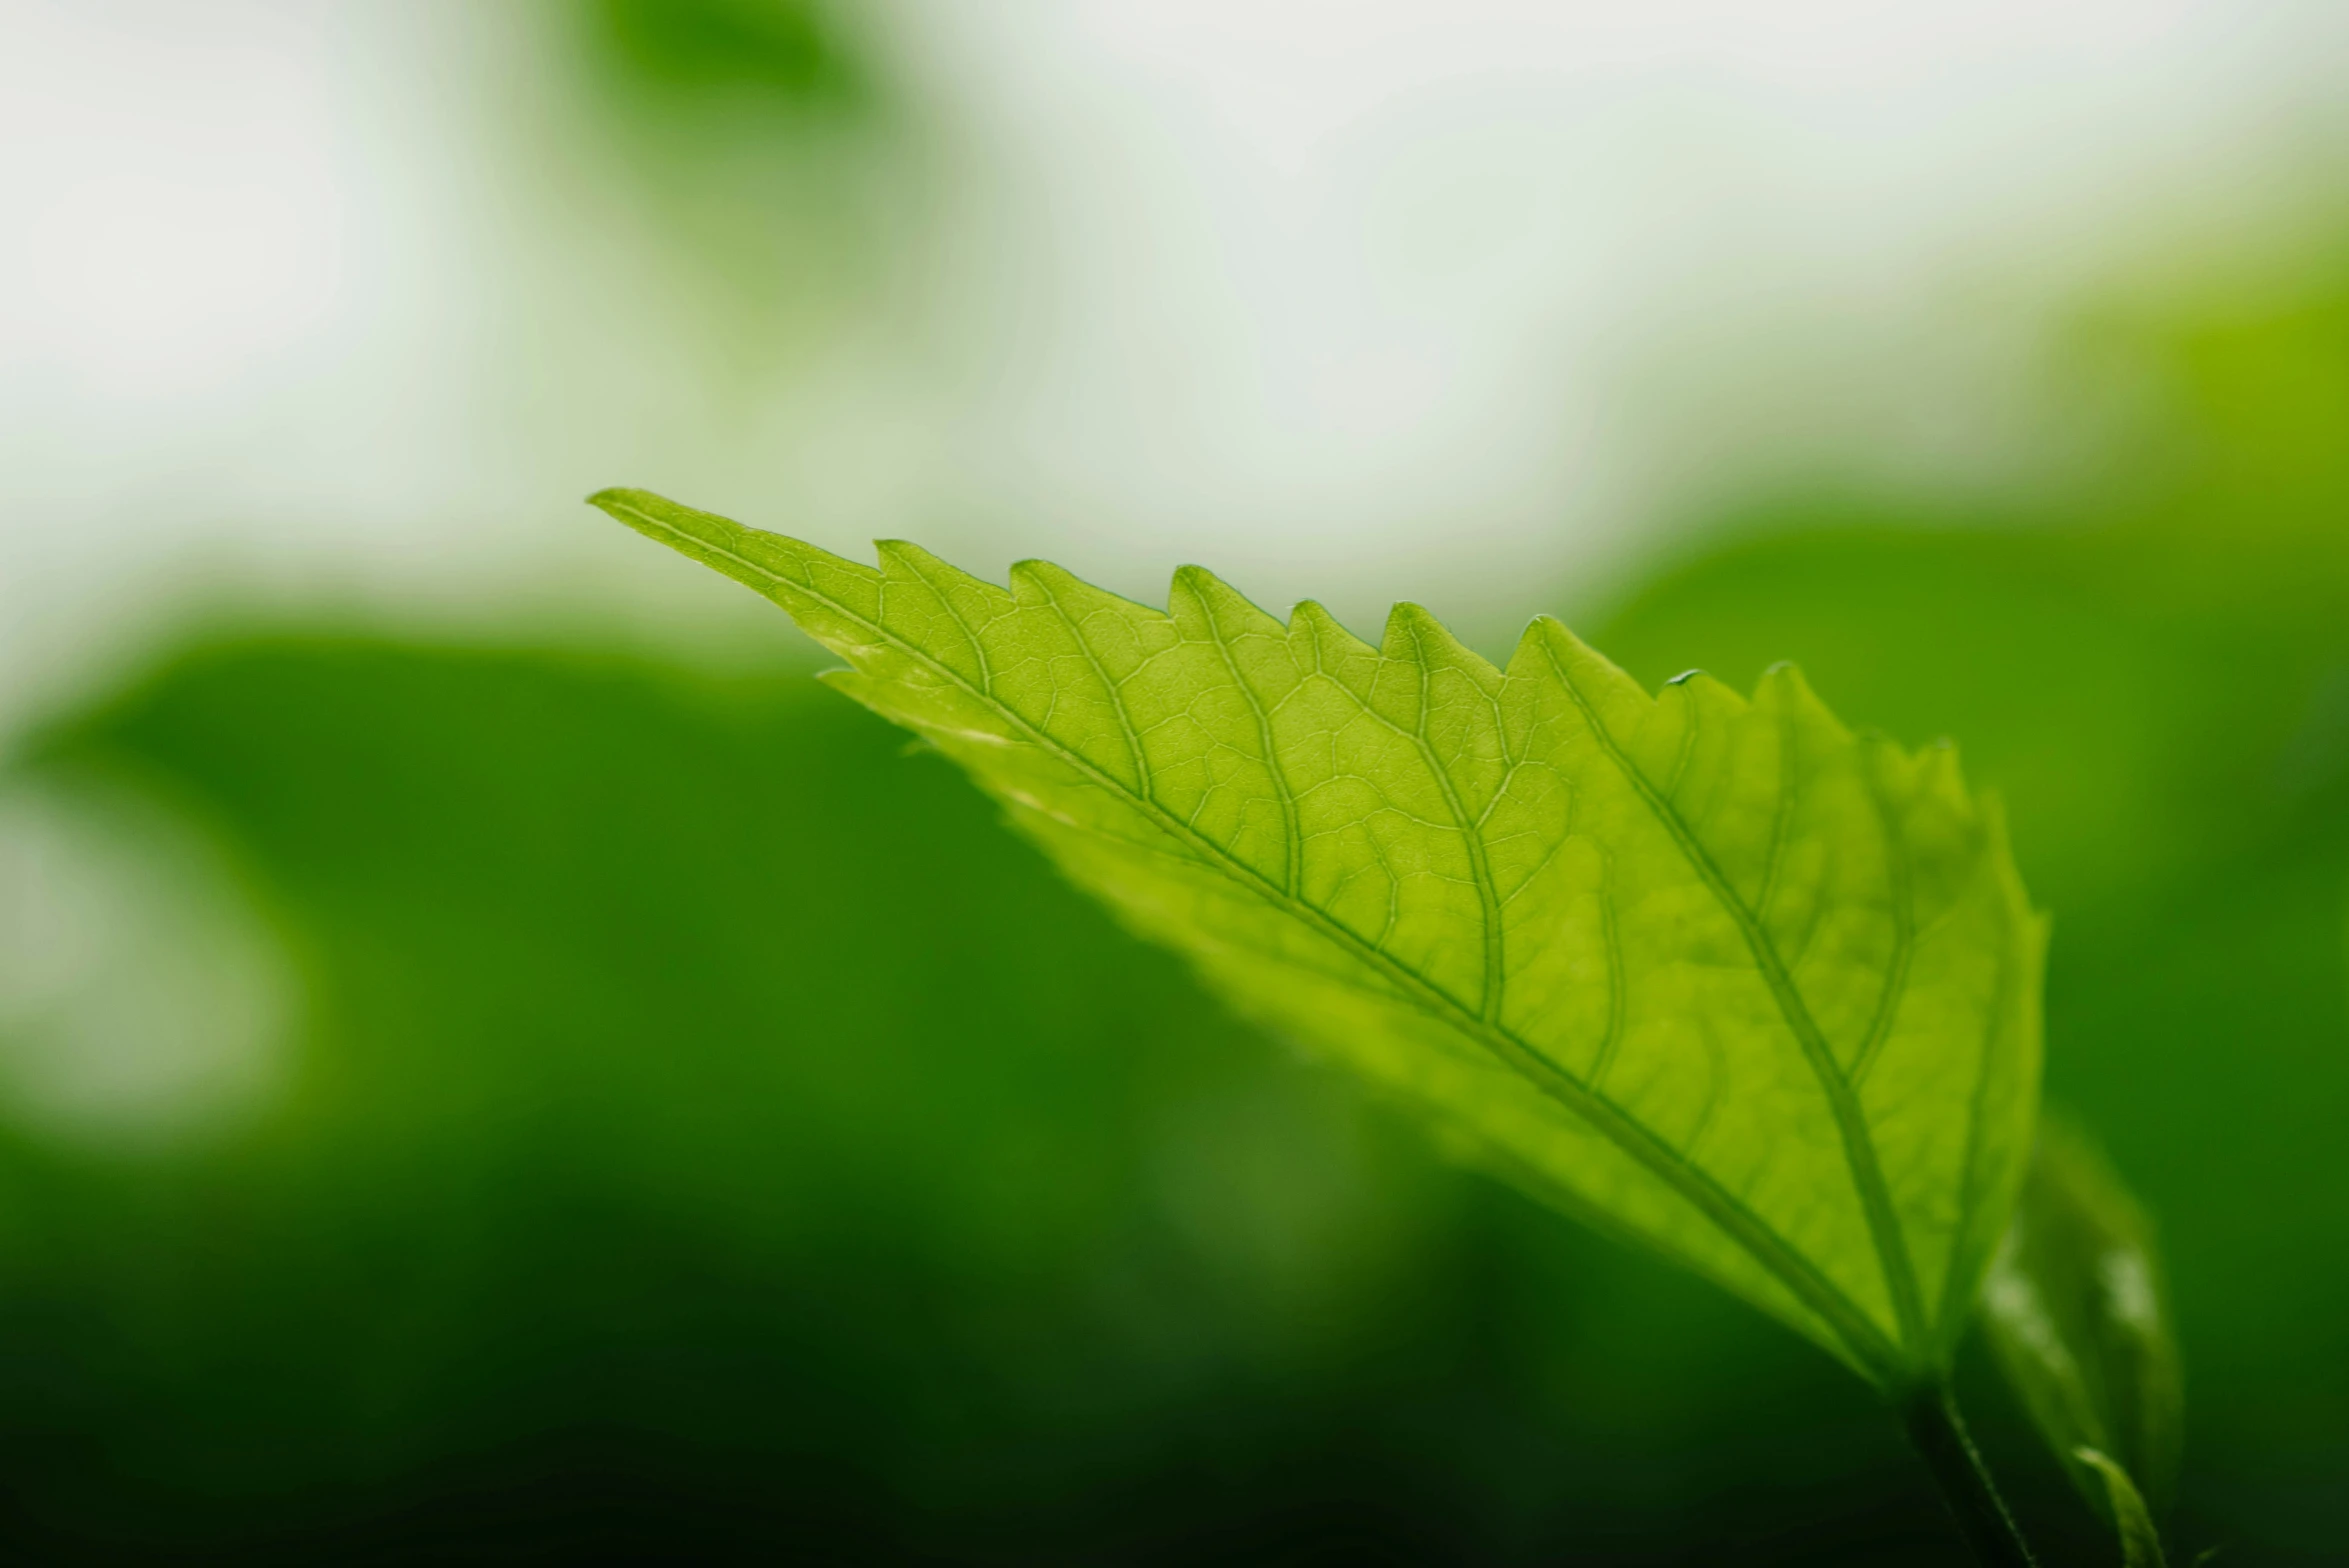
pixel 1713 972
pixel 2078 1316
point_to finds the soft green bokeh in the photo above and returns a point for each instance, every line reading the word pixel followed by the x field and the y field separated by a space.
pixel 802 1159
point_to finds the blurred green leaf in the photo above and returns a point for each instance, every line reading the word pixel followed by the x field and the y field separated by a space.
pixel 1714 973
pixel 829 1147
pixel 2079 1319
pixel 787 49
pixel 2140 1541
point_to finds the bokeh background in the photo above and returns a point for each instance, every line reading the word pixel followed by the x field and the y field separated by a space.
pixel 497 1065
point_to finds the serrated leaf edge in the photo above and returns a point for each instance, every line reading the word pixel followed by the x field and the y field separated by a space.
pixel 1877 1356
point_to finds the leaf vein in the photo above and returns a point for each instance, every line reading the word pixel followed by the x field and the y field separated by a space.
pixel 1851 1124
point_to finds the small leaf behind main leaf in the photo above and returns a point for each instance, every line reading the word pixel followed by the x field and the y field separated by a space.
pixel 2132 1520
pixel 1714 972
pixel 2078 1318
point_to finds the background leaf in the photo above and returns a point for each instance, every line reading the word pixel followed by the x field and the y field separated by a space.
pixel 1715 972
pixel 2079 1318
pixel 2140 1541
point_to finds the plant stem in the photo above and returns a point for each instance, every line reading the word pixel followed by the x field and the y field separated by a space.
pixel 1934 1426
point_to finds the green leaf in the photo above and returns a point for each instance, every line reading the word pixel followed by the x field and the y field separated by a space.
pixel 2078 1317
pixel 2140 1541
pixel 1716 974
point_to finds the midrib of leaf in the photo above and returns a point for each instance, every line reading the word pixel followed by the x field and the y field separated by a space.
pixel 1859 1145
pixel 1796 1273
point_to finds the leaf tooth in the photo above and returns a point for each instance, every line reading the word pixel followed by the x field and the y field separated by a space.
pixel 1783 693
pixel 906 551
pixel 1551 654
pixel 1941 774
pixel 1040 582
pixel 914 561
pixel 1216 604
pixel 1408 627
pixel 1312 619
pixel 1322 644
pixel 1414 633
pixel 1702 689
pixel 1047 579
pixel 1529 660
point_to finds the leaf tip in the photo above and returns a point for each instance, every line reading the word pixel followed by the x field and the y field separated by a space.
pixel 614 500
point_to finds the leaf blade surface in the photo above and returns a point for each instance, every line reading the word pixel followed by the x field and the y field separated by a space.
pixel 1760 992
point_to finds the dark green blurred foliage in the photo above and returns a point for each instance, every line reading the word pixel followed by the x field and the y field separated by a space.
pixel 804 1167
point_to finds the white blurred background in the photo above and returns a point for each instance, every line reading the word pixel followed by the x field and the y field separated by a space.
pixel 350 303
